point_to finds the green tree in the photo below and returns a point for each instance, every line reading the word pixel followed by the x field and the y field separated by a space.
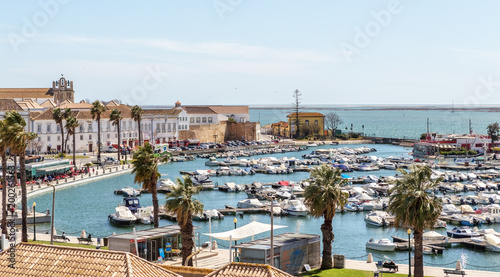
pixel 332 122
pixel 180 201
pixel 145 164
pixel 493 130
pixel 137 116
pixel 414 208
pixel 115 117
pixel 296 110
pixel 58 117
pixel 324 196
pixel 71 125
pixel 96 111
pixel 19 142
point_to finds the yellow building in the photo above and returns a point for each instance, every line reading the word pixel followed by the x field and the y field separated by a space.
pixel 280 129
pixel 310 124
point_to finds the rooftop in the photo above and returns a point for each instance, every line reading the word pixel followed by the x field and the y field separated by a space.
pixel 151 233
pixel 50 260
pixel 246 269
pixel 279 240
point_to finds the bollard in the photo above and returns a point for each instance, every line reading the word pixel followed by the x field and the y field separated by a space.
pixel 57 182
pixel 31 187
pixel 82 176
pixel 458 266
pixel 66 179
pixel 370 258
pixel 74 178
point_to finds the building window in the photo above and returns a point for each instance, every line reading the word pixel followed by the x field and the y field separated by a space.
pixel 197 120
pixel 315 123
pixel 191 120
pixel 163 127
pixel 209 120
pixel 48 129
pixel 307 122
pixel 108 136
pixel 81 137
pixel 81 128
pixel 58 138
pixel 108 126
pixel 242 119
pixel 58 128
pixel 48 138
pixel 39 128
pixel 130 125
pixel 204 120
pixel 169 127
pixel 90 127
pixel 157 127
pixel 90 137
pixel 173 127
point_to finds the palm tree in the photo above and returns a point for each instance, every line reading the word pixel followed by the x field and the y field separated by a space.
pixel 323 197
pixel 3 152
pixel 414 208
pixel 96 111
pixel 181 203
pixel 137 116
pixel 145 164
pixel 58 117
pixel 115 117
pixel 19 142
pixel 71 124
pixel 493 129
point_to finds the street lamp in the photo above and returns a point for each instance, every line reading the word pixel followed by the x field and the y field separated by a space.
pixel 52 223
pixel 272 232
pixel 34 221
pixel 409 252
pixel 235 220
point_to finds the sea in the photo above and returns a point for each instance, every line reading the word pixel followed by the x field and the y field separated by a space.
pixel 87 206
pixel 406 122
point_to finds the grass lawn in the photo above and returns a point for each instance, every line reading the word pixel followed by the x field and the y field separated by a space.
pixel 68 244
pixel 344 272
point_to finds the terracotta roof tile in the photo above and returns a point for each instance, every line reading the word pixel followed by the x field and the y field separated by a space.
pixel 162 112
pixel 198 110
pixel 11 93
pixel 9 105
pixel 51 260
pixel 48 104
pixel 306 114
pixel 246 269
pixel 230 109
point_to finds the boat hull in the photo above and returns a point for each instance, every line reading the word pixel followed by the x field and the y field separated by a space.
pixel 120 222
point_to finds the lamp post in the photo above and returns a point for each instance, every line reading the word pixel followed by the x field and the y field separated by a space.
pixel 34 221
pixel 409 252
pixel 272 232
pixel 52 219
pixel 235 220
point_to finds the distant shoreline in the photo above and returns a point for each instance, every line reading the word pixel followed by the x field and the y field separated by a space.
pixel 386 108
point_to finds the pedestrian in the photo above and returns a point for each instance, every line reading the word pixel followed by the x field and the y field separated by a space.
pixel 12 210
pixel 93 170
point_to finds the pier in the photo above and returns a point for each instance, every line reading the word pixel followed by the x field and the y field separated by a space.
pixel 440 245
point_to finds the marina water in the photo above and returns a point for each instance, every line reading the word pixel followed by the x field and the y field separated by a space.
pixel 87 206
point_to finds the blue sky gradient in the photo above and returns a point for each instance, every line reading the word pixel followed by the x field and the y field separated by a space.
pixel 256 52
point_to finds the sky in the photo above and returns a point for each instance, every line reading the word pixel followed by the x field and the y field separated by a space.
pixel 242 52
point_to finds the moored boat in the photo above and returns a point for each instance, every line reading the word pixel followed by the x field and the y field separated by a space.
pixel 381 245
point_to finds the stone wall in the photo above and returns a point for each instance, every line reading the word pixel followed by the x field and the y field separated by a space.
pixel 222 132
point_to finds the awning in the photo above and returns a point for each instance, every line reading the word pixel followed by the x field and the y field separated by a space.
pixel 54 168
pixel 246 231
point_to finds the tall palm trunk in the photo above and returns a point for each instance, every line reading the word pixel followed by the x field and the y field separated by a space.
pixel 4 193
pixel 98 140
pixel 74 146
pixel 327 231
pixel 187 240
pixel 418 258
pixel 24 199
pixel 154 192
pixel 15 168
pixel 119 143
pixel 62 137
pixel 140 133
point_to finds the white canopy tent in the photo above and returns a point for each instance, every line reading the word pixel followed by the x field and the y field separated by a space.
pixel 245 231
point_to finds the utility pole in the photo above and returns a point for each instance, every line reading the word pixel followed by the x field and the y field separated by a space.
pixel 427 125
pixel 470 126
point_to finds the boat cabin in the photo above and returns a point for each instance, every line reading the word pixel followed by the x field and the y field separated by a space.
pixel 132 203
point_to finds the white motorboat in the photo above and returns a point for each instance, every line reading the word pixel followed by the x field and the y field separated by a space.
pixel 295 207
pixel 433 235
pixel 450 209
pixel 492 242
pixel 283 193
pixel 122 217
pixel 229 187
pixel 377 218
pixel 208 214
pixel 144 215
pixel 202 180
pixel 165 185
pixel 462 232
pixel 212 161
pixel 130 192
pixel 381 245
pixel 250 203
